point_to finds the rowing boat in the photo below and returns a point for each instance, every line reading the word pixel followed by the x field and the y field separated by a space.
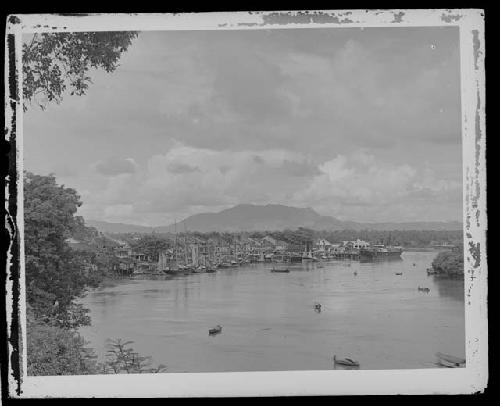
pixel 345 361
pixel 450 361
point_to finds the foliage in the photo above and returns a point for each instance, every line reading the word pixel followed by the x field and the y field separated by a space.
pixel 123 359
pixel 302 236
pixel 151 244
pixel 449 263
pixel 55 274
pixel 405 238
pixel 54 62
pixel 53 350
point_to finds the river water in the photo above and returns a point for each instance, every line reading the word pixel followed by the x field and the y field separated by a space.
pixel 269 322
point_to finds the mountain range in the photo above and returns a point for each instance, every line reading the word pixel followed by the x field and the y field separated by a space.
pixel 270 217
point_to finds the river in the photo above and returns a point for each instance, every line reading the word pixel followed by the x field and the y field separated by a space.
pixel 269 322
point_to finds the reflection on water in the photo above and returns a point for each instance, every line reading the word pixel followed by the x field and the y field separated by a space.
pixel 448 288
pixel 271 322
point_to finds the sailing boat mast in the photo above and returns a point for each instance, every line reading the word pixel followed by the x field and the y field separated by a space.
pixel 185 243
pixel 175 245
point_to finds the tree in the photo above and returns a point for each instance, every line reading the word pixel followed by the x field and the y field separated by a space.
pixel 450 263
pixel 121 358
pixel 55 273
pixel 56 62
pixel 151 245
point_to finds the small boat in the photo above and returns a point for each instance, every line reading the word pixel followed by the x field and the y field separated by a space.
pixel 285 270
pixel 216 330
pixel 317 307
pixel 399 273
pixel 211 270
pixel 426 290
pixel 450 361
pixel 345 361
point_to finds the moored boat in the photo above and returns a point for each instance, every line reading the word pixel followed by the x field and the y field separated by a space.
pixel 216 330
pixel 285 270
pixel 345 361
pixel 450 361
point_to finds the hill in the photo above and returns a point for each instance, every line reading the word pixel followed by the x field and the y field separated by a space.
pixel 248 217
pixel 118 228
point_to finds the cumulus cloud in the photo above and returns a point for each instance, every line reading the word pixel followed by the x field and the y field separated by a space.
pixel 360 187
pixel 212 119
pixel 221 178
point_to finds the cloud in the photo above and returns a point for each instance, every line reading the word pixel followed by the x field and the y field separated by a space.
pixel 359 187
pixel 221 178
pixel 116 166
pixel 215 118
pixel 180 167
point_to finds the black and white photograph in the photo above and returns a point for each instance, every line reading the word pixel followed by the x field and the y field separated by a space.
pixel 247 204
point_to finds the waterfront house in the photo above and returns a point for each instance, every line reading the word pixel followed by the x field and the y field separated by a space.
pixel 123 252
pixel 358 244
pixel 337 249
pixel 280 246
pixel 323 246
pixel 268 242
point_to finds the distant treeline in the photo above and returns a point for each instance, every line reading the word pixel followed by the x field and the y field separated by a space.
pixel 405 238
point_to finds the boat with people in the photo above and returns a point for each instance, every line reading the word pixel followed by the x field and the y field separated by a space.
pixel 426 290
pixel 399 273
pixel 216 330
pixel 450 361
pixel 345 361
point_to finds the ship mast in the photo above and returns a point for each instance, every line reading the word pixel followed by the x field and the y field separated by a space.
pixel 185 244
pixel 175 246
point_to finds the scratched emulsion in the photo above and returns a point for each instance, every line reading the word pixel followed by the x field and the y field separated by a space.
pixel 473 185
pixel 398 17
pixel 306 17
pixel 449 18
pixel 13 254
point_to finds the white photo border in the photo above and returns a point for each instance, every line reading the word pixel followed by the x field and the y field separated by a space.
pixel 471 379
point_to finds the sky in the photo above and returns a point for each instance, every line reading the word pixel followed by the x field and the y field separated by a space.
pixel 362 124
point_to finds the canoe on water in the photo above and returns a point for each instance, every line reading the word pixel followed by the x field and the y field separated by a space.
pixel 216 330
pixel 345 361
pixel 450 361
pixel 280 270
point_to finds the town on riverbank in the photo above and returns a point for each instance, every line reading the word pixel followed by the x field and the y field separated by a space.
pixel 139 254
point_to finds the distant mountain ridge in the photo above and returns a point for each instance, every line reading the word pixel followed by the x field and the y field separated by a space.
pixel 117 228
pixel 270 217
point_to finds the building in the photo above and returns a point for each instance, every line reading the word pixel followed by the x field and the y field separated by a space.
pixel 323 246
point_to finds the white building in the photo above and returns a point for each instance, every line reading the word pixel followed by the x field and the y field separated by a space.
pixel 360 244
pixel 323 245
